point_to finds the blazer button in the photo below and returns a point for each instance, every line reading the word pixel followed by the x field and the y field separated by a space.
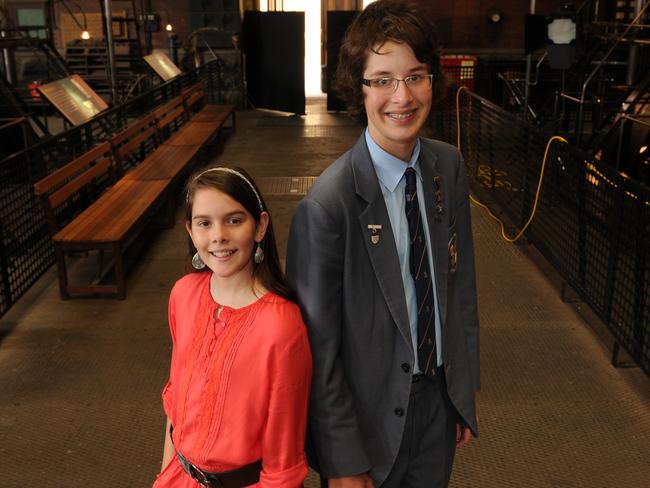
pixel 406 367
pixel 399 412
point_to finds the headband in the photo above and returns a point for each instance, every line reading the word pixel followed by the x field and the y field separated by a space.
pixel 237 173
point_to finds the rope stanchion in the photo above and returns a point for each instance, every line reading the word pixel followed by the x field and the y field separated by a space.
pixel 539 183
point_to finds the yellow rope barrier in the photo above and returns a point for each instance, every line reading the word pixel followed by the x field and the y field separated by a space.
pixel 539 183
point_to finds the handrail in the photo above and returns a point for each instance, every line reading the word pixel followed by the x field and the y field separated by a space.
pixel 584 4
pixel 619 24
pixel 636 120
pixel 12 121
pixel 112 111
pixel 598 66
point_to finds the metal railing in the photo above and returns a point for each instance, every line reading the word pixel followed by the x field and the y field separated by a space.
pixel 592 223
pixel 26 251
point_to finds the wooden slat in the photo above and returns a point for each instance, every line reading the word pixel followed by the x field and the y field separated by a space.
pixel 133 128
pixel 214 113
pixel 160 112
pixel 60 196
pixel 165 163
pixel 112 217
pixel 135 143
pixel 171 116
pixel 194 99
pixel 193 134
pixel 74 166
pixel 191 89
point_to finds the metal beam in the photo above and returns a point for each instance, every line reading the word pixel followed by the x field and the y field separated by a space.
pixel 110 49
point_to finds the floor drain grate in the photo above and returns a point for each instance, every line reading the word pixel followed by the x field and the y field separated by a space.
pixel 286 185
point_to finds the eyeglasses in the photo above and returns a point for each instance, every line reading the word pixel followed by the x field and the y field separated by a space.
pixel 390 84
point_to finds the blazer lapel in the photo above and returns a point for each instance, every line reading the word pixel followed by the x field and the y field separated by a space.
pixel 437 224
pixel 382 250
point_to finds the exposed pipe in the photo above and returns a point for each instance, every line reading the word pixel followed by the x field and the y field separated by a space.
pixel 633 57
pixel 112 75
pixel 529 66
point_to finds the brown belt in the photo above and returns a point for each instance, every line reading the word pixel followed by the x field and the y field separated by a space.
pixel 237 478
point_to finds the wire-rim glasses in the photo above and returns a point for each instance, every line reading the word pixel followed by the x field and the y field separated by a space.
pixel 391 84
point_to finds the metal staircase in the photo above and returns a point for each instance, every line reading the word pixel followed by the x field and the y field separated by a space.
pixel 90 58
pixel 602 102
pixel 16 97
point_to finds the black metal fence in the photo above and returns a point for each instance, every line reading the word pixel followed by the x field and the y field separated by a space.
pixel 592 223
pixel 26 251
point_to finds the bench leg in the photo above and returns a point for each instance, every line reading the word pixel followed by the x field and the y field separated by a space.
pixel 63 273
pixel 119 271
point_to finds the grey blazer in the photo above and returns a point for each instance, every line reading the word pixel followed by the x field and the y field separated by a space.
pixel 352 299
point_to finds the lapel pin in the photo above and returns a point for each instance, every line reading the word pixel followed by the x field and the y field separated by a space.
pixel 374 233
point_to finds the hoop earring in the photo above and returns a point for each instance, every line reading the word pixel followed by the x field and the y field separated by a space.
pixel 259 254
pixel 197 262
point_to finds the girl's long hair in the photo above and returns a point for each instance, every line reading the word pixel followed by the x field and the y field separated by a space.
pixel 268 273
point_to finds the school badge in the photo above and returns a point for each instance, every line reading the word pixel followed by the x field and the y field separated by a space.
pixel 374 233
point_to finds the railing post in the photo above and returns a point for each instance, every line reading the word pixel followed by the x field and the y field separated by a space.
pixel 582 227
pixel 528 165
pixel 4 273
pixel 615 230
pixel 529 64
pixel 640 290
pixel 619 146
pixel 211 84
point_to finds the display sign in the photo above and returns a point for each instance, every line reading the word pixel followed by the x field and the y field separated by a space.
pixel 76 101
pixel 163 66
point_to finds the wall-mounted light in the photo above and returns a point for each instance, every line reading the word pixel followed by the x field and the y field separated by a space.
pixel 85 34
pixel 494 16
pixel 168 25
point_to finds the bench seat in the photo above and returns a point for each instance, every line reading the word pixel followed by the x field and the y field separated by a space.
pixel 165 163
pixel 215 113
pixel 193 134
pixel 114 214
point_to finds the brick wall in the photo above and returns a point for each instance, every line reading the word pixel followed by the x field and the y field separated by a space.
pixel 463 24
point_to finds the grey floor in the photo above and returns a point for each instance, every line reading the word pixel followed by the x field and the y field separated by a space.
pixel 80 380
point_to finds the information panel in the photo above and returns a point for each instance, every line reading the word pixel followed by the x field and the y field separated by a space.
pixel 163 66
pixel 76 101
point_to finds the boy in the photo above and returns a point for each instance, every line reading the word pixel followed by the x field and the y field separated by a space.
pixel 380 255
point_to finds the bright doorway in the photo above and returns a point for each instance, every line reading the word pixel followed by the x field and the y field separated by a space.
pixel 312 10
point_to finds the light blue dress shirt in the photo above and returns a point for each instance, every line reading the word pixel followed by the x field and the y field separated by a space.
pixel 390 172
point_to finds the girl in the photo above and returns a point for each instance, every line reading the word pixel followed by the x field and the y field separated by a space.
pixel 236 400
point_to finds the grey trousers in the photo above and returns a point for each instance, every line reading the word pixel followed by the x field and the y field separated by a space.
pixel 428 445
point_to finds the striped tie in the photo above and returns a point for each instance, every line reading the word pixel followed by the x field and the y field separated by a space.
pixel 420 270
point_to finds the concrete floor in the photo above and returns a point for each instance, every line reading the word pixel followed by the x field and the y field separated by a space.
pixel 80 380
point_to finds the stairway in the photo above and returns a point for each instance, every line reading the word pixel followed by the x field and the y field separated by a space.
pixel 89 58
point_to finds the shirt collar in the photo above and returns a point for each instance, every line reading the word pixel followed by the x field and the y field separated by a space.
pixel 389 168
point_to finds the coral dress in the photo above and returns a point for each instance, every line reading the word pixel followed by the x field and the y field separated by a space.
pixel 239 386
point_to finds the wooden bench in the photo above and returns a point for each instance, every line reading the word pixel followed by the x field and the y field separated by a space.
pixel 170 117
pixel 110 223
pixel 133 144
pixel 167 161
pixel 208 113
pixel 144 163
